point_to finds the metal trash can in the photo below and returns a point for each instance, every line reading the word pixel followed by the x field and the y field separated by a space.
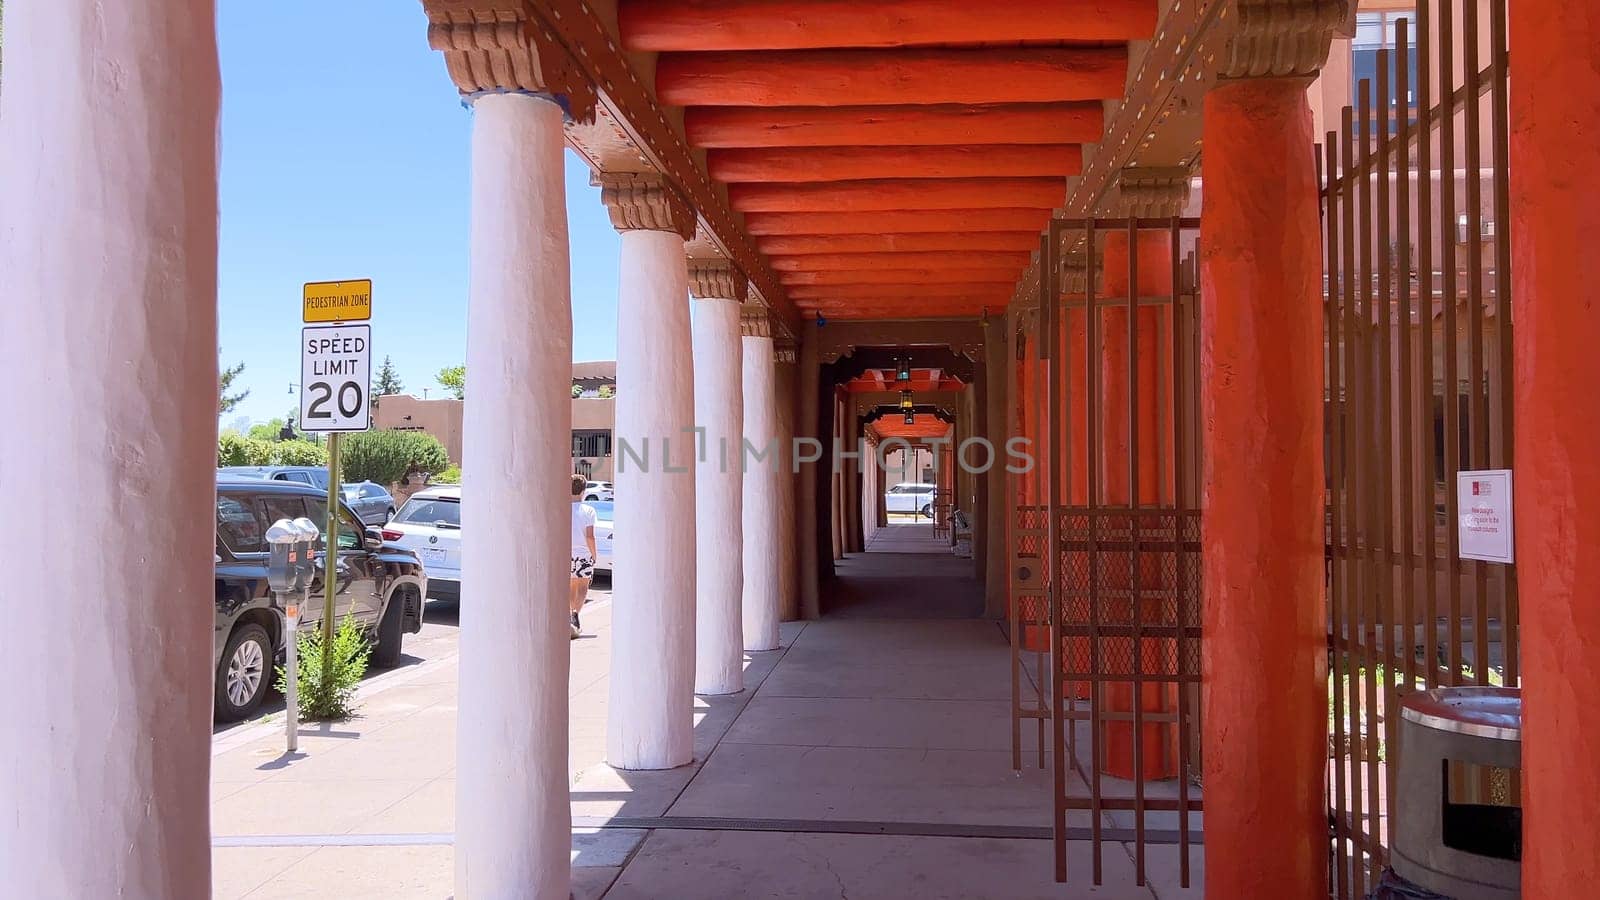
pixel 1457 813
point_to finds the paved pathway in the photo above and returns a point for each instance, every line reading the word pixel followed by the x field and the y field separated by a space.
pixel 867 758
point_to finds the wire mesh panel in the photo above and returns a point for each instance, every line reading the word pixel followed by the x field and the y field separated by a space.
pixel 1417 319
pixel 1123 527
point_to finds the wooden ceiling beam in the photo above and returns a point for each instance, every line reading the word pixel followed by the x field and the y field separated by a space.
pixel 852 163
pixel 897 221
pixel 976 290
pixel 874 77
pixel 900 194
pixel 904 276
pixel 662 25
pixel 893 126
pixel 854 262
pixel 801 244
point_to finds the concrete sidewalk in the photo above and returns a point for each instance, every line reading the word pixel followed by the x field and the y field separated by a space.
pixel 867 758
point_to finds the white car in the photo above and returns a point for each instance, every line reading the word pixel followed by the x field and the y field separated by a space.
pixel 599 490
pixel 602 534
pixel 430 524
pixel 907 497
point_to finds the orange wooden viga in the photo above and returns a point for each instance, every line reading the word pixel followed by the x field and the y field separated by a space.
pixel 901 276
pixel 1265 653
pixel 904 221
pixel 741 25
pixel 800 244
pixel 893 77
pixel 953 259
pixel 893 126
pixel 898 194
pixel 1158 741
pixel 895 309
pixel 995 288
pixel 1555 178
pixel 809 164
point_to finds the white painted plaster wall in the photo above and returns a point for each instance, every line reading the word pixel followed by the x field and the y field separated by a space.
pixel 762 553
pixel 108 330
pixel 512 820
pixel 719 480
pixel 652 676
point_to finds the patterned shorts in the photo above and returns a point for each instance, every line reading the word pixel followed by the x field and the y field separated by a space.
pixel 582 567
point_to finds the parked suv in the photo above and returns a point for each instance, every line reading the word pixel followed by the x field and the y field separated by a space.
pixel 910 497
pixel 371 502
pixel 380 584
pixel 316 476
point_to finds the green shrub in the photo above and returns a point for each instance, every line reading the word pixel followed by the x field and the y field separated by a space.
pixel 299 453
pixel 334 698
pixel 386 457
pixel 451 475
pixel 236 450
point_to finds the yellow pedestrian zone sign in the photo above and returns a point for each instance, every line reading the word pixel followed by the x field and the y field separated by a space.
pixel 338 301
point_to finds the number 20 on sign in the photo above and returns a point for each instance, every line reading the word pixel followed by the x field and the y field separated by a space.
pixel 335 370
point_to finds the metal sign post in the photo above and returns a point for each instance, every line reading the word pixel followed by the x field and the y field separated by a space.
pixel 335 382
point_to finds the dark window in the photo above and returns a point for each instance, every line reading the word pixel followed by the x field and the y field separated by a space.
pixel 591 443
pixel 349 531
pixel 271 509
pixel 430 511
pixel 238 526
pixel 370 490
pixel 1374 32
pixel 298 477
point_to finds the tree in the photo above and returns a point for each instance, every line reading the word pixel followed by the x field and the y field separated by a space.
pixel 388 380
pixel 226 401
pixel 607 392
pixel 454 380
pixel 387 457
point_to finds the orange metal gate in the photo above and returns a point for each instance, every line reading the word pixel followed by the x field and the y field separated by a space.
pixel 1418 365
pixel 1106 541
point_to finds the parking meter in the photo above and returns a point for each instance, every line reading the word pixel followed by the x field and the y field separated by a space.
pixel 284 546
pixel 309 535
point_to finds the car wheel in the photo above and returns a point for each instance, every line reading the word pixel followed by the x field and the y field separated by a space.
pixel 927 510
pixel 388 516
pixel 386 655
pixel 244 673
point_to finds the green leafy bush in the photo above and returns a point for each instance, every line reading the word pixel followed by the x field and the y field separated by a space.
pixel 386 457
pixel 451 475
pixel 299 453
pixel 334 698
pixel 234 449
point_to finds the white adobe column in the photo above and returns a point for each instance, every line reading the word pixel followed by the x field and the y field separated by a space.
pixel 513 833
pixel 762 535
pixel 651 720
pixel 718 289
pixel 108 326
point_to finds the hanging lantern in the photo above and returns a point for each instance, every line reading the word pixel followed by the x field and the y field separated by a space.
pixel 909 407
pixel 902 370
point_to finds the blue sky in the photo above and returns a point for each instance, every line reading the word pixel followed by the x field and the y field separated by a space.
pixel 345 155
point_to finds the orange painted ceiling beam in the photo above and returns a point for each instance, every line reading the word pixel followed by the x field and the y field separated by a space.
pixel 897 221
pixel 893 126
pixel 850 262
pixel 802 244
pixel 901 276
pixel 873 77
pixel 868 313
pixel 1001 288
pixel 849 163
pixel 662 25
pixel 907 194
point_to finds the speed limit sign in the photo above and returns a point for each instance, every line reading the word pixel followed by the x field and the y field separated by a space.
pixel 335 370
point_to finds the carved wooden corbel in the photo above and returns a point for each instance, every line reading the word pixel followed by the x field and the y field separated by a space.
pixel 755 321
pixel 1280 38
pixel 501 46
pixel 1153 193
pixel 717 279
pixel 640 201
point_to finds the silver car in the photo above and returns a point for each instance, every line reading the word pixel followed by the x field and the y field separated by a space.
pixel 369 501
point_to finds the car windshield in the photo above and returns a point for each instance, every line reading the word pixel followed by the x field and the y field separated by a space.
pixel 319 477
pixel 602 509
pixel 440 512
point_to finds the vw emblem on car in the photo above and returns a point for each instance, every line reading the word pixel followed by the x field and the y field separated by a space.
pixel 433 539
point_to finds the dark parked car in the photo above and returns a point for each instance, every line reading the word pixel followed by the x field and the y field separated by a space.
pixel 381 585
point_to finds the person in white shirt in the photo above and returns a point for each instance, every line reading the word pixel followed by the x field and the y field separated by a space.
pixel 583 552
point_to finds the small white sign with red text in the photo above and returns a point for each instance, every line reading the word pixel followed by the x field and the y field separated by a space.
pixel 1483 508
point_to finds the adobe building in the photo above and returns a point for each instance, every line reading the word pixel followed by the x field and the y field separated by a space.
pixel 1235 279
pixel 593 415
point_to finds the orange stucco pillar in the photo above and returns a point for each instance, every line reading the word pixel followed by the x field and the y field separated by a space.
pixel 1158 742
pixel 1265 689
pixel 1555 176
